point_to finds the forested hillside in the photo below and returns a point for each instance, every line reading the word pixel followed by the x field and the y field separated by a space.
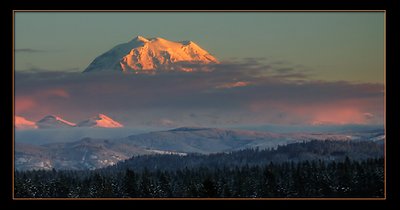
pixel 309 169
pixel 312 150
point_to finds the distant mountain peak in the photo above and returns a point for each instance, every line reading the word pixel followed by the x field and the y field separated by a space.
pixel 102 116
pixel 53 121
pixel 149 55
pixel 48 117
pixel 100 120
pixel 23 123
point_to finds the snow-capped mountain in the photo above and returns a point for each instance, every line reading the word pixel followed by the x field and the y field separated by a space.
pixel 52 121
pixel 22 123
pixel 142 55
pixel 101 121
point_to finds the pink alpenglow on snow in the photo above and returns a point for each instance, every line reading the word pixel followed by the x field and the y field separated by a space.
pixel 52 121
pixel 22 123
pixel 142 55
pixel 101 121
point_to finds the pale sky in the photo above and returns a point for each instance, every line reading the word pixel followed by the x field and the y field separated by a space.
pixel 332 46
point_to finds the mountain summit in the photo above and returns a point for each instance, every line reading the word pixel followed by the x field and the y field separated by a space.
pixel 101 121
pixel 52 121
pixel 142 55
pixel 23 123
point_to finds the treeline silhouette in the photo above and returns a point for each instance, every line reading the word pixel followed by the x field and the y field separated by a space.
pixel 336 169
pixel 308 150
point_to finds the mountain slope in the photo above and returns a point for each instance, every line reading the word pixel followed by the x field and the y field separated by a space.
pixel 86 153
pixel 91 153
pixel 52 121
pixel 101 121
pixel 295 152
pixel 203 140
pixel 23 123
pixel 211 140
pixel 149 55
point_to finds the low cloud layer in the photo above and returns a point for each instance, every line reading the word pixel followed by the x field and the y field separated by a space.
pixel 247 92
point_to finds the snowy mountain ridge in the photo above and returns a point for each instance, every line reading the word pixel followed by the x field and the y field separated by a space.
pixel 142 55
pixel 92 153
pixel 23 123
pixel 100 120
pixel 53 121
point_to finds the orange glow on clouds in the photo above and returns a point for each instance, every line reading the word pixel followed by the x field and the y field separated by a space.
pixel 23 104
pixel 27 103
pixel 339 116
pixel 339 112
